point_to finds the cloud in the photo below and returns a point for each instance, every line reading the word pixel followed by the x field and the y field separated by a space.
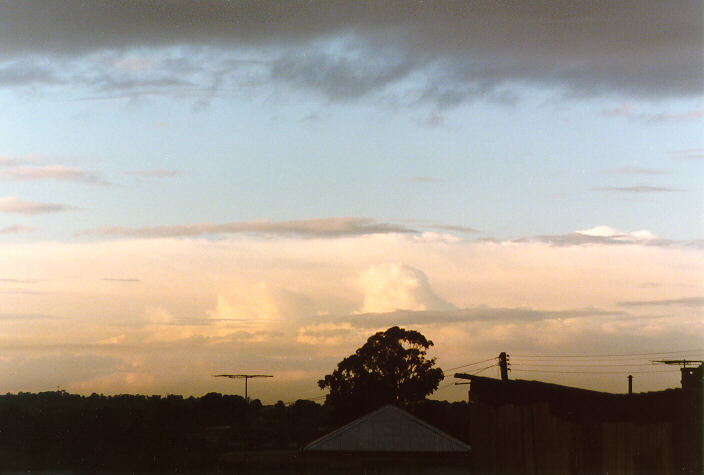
pixel 389 287
pixel 453 227
pixel 20 161
pixel 371 320
pixel 602 235
pixel 635 189
pixel 693 154
pixel 156 173
pixel 631 112
pixel 17 228
pixel 635 171
pixel 26 73
pixel 456 50
pixel 116 279
pixel 337 77
pixel 323 227
pixel 12 204
pixel 51 172
pixel 25 316
pixel 19 281
pixel 696 302
pixel 284 304
pixel 47 372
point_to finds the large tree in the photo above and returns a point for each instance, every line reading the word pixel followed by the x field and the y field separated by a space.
pixel 391 367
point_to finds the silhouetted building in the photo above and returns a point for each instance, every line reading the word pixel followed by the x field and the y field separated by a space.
pixel 520 426
pixel 389 440
pixel 692 378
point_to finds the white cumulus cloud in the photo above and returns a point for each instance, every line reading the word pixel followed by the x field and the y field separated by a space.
pixel 388 287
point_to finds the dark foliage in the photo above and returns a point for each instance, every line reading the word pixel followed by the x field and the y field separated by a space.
pixel 390 367
pixel 57 430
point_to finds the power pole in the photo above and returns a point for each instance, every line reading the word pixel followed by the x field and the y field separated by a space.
pixel 504 362
pixel 691 377
pixel 246 378
pixel 630 384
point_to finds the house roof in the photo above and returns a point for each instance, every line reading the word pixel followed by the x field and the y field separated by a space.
pixel 388 429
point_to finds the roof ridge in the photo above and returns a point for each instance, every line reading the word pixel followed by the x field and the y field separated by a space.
pixel 388 407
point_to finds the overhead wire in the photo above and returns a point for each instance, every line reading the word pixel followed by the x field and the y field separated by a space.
pixel 581 361
pixel 654 353
pixel 472 364
pixel 571 365
pixel 591 372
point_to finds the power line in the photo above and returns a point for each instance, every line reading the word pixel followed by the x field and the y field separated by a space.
pixel 471 364
pixel 591 372
pixel 611 355
pixel 483 369
pixel 588 365
pixel 446 385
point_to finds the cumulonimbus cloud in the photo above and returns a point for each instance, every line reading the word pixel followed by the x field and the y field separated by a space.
pixel 323 227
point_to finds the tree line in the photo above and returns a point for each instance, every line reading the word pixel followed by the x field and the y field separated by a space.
pixel 58 430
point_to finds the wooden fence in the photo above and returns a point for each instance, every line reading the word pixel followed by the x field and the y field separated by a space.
pixel 531 439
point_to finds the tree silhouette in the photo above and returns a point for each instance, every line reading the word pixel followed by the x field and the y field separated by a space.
pixel 391 367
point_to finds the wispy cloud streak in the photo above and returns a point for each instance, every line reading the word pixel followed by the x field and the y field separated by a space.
pixel 51 172
pixel 323 228
pixel 639 189
pixel 12 204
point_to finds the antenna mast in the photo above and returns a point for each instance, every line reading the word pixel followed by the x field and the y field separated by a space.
pixel 246 378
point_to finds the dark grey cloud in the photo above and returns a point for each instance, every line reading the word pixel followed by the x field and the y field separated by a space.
pixel 458 49
pixel 697 302
pixel 312 228
pixel 27 73
pixel 339 78
pixel 638 189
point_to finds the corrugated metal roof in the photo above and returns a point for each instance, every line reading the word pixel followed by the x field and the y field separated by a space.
pixel 389 429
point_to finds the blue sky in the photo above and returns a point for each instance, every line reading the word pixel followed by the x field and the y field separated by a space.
pixel 563 131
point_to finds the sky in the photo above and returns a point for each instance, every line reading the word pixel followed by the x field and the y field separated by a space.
pixel 206 187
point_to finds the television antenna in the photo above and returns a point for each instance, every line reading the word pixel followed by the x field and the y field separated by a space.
pixel 246 378
pixel 682 363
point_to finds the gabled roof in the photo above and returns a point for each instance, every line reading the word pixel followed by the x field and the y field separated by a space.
pixel 388 429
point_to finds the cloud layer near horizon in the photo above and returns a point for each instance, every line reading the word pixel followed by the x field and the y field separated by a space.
pixel 190 308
